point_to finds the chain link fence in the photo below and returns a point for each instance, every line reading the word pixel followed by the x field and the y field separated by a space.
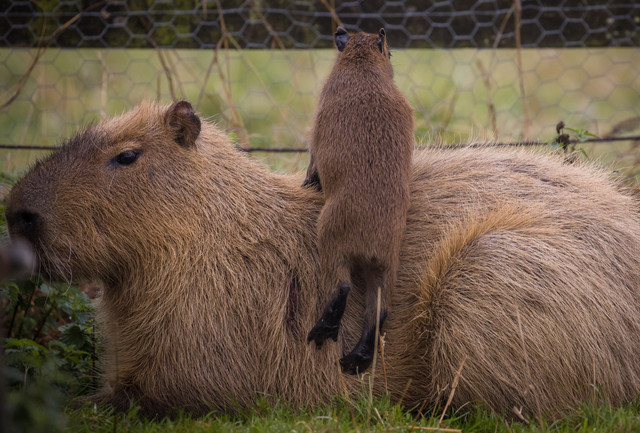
pixel 473 70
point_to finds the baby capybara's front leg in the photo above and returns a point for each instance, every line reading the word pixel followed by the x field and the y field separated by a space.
pixel 329 324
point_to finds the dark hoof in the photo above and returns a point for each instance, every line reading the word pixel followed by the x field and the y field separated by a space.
pixel 361 356
pixel 329 324
pixel 358 360
pixel 321 332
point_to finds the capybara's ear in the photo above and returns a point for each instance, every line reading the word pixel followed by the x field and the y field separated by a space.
pixel 380 40
pixel 183 122
pixel 341 38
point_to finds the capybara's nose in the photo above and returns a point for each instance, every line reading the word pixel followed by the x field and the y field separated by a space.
pixel 16 259
pixel 24 223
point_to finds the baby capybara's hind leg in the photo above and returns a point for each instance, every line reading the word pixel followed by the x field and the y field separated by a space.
pixel 329 324
pixel 361 357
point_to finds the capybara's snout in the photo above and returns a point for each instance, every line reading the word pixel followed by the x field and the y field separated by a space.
pixel 25 226
pixel 24 223
pixel 17 259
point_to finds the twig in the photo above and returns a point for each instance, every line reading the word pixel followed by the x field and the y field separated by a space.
pixel 332 11
pixel 527 371
pixel 379 417
pixel 525 109
pixel 26 310
pixel 518 413
pixel 41 324
pixel 419 413
pixel 254 69
pixel 206 78
pixel 375 352
pixel 503 25
pixel 454 385
pixel 270 29
pixel 104 87
pixel 384 364
pixel 13 319
pixel 404 391
pixel 40 51
pixel 306 425
pixel 486 77
pixel 167 72
pixel 448 114
pixel 172 66
pixel 507 426
pixel 223 42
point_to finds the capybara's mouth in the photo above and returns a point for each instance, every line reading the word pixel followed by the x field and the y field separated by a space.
pixel 38 259
pixel 34 249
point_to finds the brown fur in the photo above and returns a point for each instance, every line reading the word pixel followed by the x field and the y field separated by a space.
pixel 361 150
pixel 521 269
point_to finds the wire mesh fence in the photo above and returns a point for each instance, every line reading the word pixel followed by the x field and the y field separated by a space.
pixel 473 70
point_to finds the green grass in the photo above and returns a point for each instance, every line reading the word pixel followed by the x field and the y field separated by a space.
pixel 362 416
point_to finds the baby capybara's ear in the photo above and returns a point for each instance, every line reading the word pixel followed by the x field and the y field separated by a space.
pixel 341 36
pixel 380 40
pixel 183 122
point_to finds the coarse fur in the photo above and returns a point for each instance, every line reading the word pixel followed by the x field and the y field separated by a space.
pixel 520 270
pixel 360 154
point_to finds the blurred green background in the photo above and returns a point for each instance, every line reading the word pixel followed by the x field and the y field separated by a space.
pixel 268 97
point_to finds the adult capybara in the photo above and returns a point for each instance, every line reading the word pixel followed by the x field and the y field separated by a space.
pixel 361 149
pixel 518 271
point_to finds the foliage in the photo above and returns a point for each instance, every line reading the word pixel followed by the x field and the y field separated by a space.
pixel 49 352
pixel 48 323
pixel 564 141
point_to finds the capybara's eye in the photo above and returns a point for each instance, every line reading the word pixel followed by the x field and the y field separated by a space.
pixel 127 157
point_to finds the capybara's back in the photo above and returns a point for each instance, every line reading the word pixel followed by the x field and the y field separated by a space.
pixel 517 271
pixel 532 281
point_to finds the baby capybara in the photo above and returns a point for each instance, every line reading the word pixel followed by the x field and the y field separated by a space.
pixel 361 150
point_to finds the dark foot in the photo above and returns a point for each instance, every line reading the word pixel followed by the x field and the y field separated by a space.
pixel 312 181
pixel 360 358
pixel 329 323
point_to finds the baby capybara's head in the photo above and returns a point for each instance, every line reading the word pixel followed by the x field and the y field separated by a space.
pixel 88 208
pixel 363 48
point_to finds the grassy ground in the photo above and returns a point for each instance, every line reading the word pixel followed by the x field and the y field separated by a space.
pixel 362 416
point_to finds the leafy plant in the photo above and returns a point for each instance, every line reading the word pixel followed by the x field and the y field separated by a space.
pixel 581 135
pixel 565 142
pixel 49 349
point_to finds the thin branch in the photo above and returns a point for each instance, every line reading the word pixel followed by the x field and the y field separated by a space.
pixel 525 109
pixel 270 29
pixel 332 11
